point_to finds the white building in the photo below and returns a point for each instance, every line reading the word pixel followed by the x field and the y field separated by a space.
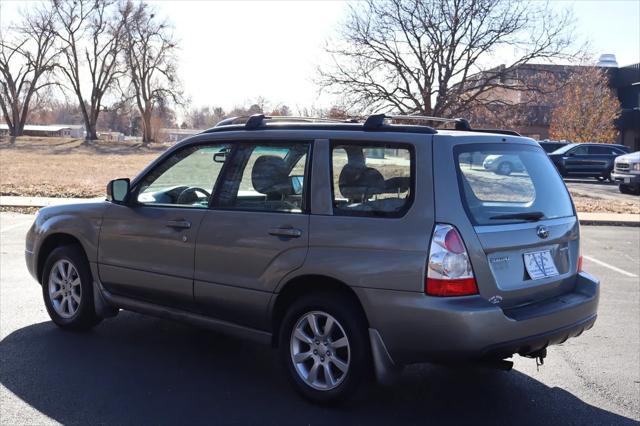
pixel 176 135
pixel 51 130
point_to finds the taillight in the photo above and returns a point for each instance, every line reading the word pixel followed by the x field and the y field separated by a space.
pixel 449 270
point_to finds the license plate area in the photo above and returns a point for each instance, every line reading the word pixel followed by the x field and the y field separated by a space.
pixel 540 264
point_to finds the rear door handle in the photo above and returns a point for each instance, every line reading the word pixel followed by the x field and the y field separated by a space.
pixel 179 224
pixel 286 232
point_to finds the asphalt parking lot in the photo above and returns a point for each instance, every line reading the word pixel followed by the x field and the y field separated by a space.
pixel 140 370
pixel 606 190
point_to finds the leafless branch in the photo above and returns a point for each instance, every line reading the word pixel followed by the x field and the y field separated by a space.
pixel 430 56
pixel 27 60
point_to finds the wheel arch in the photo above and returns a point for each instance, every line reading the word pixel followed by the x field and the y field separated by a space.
pixel 306 284
pixel 50 243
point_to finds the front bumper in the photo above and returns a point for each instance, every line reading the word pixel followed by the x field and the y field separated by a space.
pixel 417 328
pixel 30 259
pixel 626 177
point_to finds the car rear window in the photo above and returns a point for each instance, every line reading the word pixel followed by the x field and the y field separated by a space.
pixel 509 184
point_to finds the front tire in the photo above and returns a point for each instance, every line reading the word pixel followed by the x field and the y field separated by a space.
pixel 324 347
pixel 629 189
pixel 67 289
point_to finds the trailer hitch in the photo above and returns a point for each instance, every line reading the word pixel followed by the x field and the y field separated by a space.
pixel 539 356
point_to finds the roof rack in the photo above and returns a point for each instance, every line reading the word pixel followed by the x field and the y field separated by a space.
pixel 372 123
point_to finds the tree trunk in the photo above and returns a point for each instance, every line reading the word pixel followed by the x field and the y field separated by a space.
pixel 147 134
pixel 91 122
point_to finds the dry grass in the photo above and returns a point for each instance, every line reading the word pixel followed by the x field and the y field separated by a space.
pixel 592 204
pixel 57 167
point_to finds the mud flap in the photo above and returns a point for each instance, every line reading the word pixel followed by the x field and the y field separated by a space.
pixel 103 309
pixel 386 371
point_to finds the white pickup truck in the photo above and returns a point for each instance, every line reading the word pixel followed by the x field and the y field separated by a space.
pixel 626 171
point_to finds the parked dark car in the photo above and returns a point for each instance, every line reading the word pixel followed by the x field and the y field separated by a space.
pixel 587 159
pixel 550 146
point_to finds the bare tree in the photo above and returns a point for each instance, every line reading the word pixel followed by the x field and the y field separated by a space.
pixel 204 117
pixel 90 35
pixel 151 64
pixel 26 61
pixel 587 109
pixel 429 56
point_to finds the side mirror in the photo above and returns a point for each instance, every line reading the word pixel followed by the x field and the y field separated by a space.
pixel 297 183
pixel 221 157
pixel 118 190
pixel 571 154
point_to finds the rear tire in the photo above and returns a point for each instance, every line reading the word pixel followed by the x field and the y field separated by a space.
pixel 67 289
pixel 505 168
pixel 325 366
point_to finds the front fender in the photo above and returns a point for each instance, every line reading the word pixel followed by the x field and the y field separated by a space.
pixel 80 221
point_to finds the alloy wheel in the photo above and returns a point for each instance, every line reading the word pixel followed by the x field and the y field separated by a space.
pixel 65 290
pixel 320 350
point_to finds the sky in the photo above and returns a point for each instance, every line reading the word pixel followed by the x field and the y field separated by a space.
pixel 233 52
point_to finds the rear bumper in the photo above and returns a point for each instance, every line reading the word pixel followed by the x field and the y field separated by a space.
pixel 531 344
pixel 417 328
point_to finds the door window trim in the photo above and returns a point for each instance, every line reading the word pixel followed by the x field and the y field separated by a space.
pixel 381 144
pixel 306 189
pixel 135 190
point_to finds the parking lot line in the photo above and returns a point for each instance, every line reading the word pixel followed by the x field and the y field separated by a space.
pixel 613 268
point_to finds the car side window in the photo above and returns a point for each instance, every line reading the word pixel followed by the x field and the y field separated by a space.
pixel 184 179
pixel 265 177
pixel 372 180
pixel 581 150
pixel 600 150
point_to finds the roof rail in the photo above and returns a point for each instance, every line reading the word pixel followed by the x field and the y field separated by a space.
pixel 256 120
pixel 377 120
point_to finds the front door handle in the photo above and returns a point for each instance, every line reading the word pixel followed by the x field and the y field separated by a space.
pixel 179 224
pixel 286 232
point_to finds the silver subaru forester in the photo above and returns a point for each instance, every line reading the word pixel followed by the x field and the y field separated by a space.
pixel 353 247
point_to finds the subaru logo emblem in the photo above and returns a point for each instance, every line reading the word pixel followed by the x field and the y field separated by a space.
pixel 542 231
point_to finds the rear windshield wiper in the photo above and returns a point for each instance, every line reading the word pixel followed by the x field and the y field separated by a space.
pixel 530 216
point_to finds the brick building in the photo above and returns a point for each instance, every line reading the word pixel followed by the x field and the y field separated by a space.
pixel 529 112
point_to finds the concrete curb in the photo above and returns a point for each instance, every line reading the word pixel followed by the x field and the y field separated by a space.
pixel 609 219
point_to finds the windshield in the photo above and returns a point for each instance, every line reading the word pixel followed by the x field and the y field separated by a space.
pixel 510 183
pixel 564 149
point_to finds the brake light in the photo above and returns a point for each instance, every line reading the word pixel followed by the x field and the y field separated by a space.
pixel 580 263
pixel 449 270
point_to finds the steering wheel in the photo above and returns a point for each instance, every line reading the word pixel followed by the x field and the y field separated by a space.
pixel 189 195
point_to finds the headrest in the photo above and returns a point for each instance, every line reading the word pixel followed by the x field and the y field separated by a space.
pixel 270 176
pixel 360 182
